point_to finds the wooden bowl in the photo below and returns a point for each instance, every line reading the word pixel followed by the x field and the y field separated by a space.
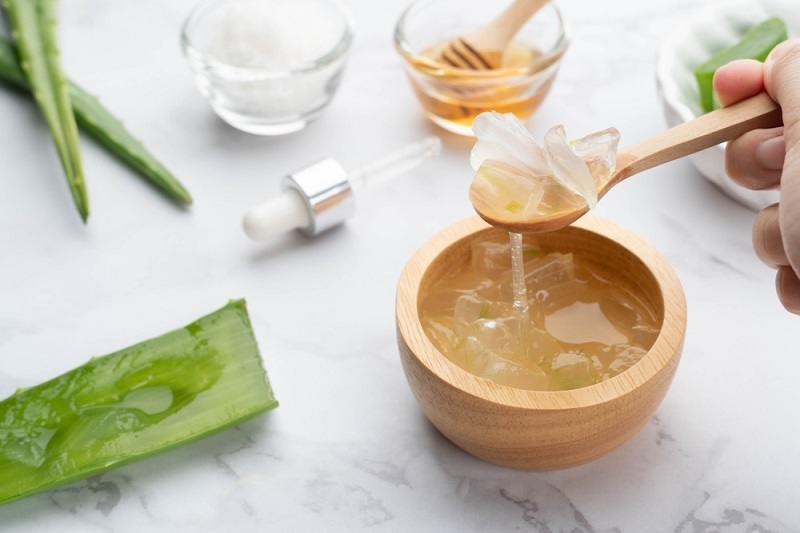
pixel 542 430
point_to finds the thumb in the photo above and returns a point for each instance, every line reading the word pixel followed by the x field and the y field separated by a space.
pixel 782 81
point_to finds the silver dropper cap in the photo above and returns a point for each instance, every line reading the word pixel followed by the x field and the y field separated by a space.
pixel 326 190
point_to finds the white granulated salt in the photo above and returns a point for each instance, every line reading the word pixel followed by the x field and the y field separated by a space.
pixel 269 66
pixel 276 34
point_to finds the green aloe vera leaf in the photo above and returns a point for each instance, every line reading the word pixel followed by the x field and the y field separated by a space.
pixel 134 403
pixel 756 44
pixel 109 131
pixel 95 119
pixel 10 70
pixel 33 28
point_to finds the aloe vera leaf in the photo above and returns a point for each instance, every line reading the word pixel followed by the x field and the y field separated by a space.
pixel 131 404
pixel 10 70
pixel 33 28
pixel 94 119
pixel 756 43
pixel 108 130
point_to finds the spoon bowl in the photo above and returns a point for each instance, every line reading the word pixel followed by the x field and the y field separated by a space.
pixel 703 132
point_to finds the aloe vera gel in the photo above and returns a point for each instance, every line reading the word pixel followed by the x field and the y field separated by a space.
pixel 128 405
pixel 536 317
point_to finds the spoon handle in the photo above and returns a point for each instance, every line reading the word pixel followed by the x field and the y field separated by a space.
pixel 498 33
pixel 703 132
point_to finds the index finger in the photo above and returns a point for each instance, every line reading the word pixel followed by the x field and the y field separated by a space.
pixel 738 80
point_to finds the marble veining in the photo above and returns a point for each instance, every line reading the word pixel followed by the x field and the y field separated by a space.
pixel 705 520
pixel 348 449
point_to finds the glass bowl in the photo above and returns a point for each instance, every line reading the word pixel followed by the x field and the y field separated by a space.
pixel 268 67
pixel 452 97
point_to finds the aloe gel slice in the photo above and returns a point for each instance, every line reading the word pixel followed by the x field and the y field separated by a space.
pixel 128 405
pixel 756 44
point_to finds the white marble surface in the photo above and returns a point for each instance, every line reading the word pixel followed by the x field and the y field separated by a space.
pixel 348 449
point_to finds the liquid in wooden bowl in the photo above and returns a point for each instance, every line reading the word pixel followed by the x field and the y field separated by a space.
pixel 509 424
pixel 569 328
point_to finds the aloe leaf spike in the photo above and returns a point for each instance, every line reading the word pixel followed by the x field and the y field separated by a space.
pixel 109 131
pixel 33 28
pixel 97 121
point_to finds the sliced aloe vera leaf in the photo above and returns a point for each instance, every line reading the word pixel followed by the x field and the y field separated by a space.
pixel 33 27
pixel 10 70
pixel 134 403
pixel 97 121
pixel 109 131
pixel 756 44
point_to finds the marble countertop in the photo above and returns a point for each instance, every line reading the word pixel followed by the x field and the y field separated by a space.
pixel 348 449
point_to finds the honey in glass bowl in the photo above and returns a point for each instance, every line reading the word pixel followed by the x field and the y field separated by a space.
pixel 452 97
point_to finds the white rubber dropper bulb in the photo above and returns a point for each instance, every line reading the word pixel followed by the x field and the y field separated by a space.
pixel 283 213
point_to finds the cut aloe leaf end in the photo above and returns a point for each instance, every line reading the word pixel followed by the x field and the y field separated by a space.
pixel 756 44
pixel 134 403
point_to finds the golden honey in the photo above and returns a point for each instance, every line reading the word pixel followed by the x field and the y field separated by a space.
pixel 453 97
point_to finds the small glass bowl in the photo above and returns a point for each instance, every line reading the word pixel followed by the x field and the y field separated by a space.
pixel 268 67
pixel 453 97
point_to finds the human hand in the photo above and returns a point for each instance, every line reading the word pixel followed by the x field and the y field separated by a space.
pixel 770 159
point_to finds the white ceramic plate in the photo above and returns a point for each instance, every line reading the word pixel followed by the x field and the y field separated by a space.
pixel 711 30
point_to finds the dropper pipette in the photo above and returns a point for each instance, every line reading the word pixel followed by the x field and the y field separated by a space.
pixel 320 196
pixel 395 164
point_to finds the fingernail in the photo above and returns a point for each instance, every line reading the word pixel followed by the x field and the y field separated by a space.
pixel 771 153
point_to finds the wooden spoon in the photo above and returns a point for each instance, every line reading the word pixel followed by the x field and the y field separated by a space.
pixel 703 132
pixel 482 49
